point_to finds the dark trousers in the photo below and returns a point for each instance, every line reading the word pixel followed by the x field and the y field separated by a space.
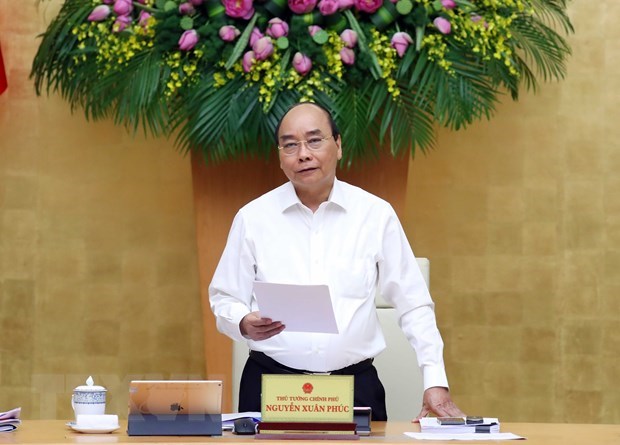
pixel 368 389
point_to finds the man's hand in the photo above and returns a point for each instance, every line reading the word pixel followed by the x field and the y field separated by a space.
pixel 256 328
pixel 437 401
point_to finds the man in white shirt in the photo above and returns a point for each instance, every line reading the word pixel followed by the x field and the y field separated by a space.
pixel 317 230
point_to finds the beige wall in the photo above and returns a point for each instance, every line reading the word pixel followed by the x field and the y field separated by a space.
pixel 98 270
pixel 519 216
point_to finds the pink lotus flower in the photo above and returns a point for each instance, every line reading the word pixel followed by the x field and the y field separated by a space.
pixel 228 33
pixel 122 22
pixel 255 35
pixel 240 9
pixel 123 7
pixel 448 4
pixel 277 28
pixel 262 48
pixel 369 6
pixel 349 37
pixel 328 7
pixel 100 13
pixel 347 56
pixel 301 6
pixel 188 40
pixel 302 63
pixel 248 61
pixel 400 42
pixel 186 8
pixel 476 18
pixel 143 18
pixel 344 4
pixel 443 25
pixel 313 29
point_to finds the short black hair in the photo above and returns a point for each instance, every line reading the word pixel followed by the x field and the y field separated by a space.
pixel 330 118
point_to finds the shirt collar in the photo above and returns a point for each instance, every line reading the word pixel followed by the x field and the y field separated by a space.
pixel 289 198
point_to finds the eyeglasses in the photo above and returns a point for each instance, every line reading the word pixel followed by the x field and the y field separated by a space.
pixel 292 147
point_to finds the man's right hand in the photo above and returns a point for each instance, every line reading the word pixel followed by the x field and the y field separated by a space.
pixel 254 327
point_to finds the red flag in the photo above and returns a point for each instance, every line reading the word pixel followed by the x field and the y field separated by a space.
pixel 3 82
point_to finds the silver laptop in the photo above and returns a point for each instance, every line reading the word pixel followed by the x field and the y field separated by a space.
pixel 158 397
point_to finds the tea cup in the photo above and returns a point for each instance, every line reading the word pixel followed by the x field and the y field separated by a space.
pixel 88 399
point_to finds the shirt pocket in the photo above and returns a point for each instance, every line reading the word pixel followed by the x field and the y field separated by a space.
pixel 353 279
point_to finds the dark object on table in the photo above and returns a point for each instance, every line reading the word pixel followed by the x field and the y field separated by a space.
pixel 473 420
pixel 244 425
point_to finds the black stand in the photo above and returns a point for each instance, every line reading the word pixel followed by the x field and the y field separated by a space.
pixel 174 425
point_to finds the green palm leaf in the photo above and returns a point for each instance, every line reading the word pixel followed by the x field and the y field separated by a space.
pixel 350 109
pixel 553 12
pixel 412 128
pixel 543 47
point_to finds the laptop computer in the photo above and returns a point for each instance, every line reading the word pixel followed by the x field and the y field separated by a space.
pixel 175 407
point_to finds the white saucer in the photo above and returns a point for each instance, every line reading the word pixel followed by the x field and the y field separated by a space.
pixel 89 430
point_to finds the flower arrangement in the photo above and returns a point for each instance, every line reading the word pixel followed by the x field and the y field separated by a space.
pixel 219 73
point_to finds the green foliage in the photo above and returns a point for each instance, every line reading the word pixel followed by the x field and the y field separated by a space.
pixel 141 79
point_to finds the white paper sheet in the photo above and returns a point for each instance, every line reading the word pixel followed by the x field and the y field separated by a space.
pixel 301 308
pixel 464 436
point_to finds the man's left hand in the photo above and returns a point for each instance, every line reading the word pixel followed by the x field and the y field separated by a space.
pixel 437 401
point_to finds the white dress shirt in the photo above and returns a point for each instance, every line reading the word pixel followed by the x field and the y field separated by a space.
pixel 353 243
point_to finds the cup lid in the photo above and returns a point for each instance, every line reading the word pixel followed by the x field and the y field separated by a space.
pixel 90 386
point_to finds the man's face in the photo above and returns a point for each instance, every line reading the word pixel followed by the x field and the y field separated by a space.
pixel 309 169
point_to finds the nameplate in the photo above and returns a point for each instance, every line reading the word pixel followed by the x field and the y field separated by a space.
pixel 307 398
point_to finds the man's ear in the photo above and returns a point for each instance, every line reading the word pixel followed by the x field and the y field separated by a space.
pixel 338 141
